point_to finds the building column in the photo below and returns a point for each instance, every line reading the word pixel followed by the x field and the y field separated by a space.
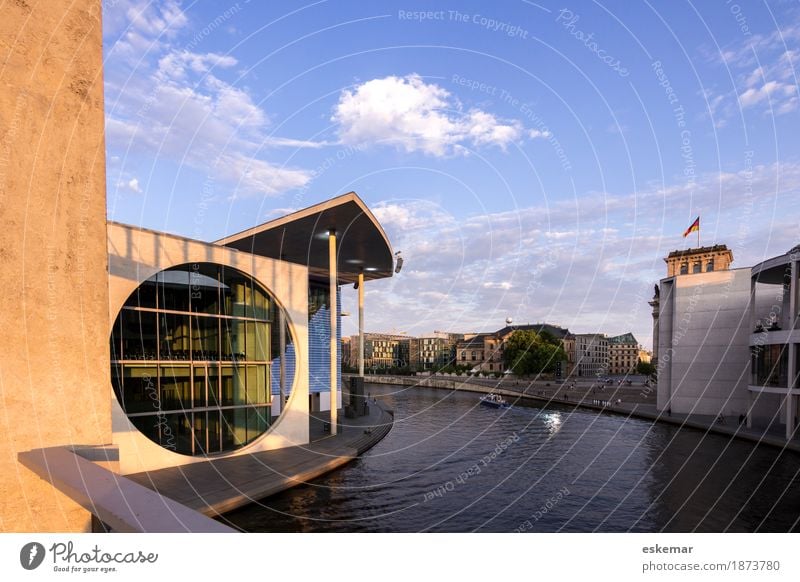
pixel 361 323
pixel 789 415
pixel 749 411
pixel 332 271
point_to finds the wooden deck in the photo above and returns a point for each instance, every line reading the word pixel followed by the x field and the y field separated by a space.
pixel 217 486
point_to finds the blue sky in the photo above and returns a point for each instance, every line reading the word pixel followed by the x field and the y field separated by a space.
pixel 531 160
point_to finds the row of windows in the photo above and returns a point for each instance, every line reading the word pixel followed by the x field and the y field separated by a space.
pixel 150 389
pixel 697 267
pixel 205 432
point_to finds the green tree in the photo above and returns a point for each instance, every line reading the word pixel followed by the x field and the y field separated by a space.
pixel 527 352
pixel 645 368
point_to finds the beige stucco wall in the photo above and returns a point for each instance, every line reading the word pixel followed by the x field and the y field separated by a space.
pixel 134 255
pixel 54 318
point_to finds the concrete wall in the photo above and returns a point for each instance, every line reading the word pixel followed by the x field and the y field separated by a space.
pixel 704 359
pixel 134 255
pixel 54 372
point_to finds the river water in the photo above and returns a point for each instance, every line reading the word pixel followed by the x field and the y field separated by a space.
pixel 450 465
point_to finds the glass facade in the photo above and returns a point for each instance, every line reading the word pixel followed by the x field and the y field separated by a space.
pixel 192 351
pixel 770 365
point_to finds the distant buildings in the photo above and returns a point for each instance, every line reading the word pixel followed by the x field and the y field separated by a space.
pixel 434 352
pixel 385 350
pixel 591 355
pixel 623 354
pixel 483 352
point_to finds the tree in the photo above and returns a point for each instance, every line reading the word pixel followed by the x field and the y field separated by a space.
pixel 527 352
pixel 645 368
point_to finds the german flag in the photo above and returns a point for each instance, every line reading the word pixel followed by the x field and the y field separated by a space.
pixel 694 228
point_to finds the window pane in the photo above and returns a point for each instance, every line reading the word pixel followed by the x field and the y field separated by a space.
pixel 233 339
pixel 205 338
pixel 140 388
pixel 234 428
pixel 138 335
pixel 257 385
pixel 199 425
pixel 173 289
pixel 199 398
pixel 214 431
pixel 233 385
pixel 213 386
pixel 257 341
pixel 174 335
pixel 261 304
pixel 176 387
pixel 204 292
pixel 144 296
pixel 257 421
pixel 176 433
pixel 236 292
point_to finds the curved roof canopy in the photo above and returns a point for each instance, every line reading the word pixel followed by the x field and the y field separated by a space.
pixel 777 270
pixel 302 237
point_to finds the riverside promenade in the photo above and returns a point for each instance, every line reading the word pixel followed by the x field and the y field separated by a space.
pixel 216 486
pixel 634 402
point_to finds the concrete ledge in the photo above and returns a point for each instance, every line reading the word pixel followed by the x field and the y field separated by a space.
pixel 123 505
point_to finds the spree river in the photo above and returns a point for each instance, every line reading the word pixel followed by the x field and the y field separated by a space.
pixel 450 465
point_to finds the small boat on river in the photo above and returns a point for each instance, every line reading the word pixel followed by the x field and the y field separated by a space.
pixel 493 401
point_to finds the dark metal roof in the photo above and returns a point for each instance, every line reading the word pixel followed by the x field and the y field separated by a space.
pixel 302 237
pixel 625 338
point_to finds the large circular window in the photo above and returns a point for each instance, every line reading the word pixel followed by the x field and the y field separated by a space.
pixel 199 355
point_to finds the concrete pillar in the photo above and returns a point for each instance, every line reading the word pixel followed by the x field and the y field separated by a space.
pixel 54 356
pixel 749 413
pixel 332 274
pixel 789 415
pixel 361 324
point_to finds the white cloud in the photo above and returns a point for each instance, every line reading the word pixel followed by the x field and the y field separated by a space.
pixel 410 114
pixel 133 185
pixel 766 78
pixel 536 134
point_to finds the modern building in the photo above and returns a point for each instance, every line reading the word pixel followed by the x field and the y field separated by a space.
pixel 224 347
pixel 434 352
pixel 386 350
pixel 591 355
pixel 623 354
pixel 701 328
pixel 773 385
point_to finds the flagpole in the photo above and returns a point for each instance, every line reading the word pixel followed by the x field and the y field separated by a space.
pixel 698 236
